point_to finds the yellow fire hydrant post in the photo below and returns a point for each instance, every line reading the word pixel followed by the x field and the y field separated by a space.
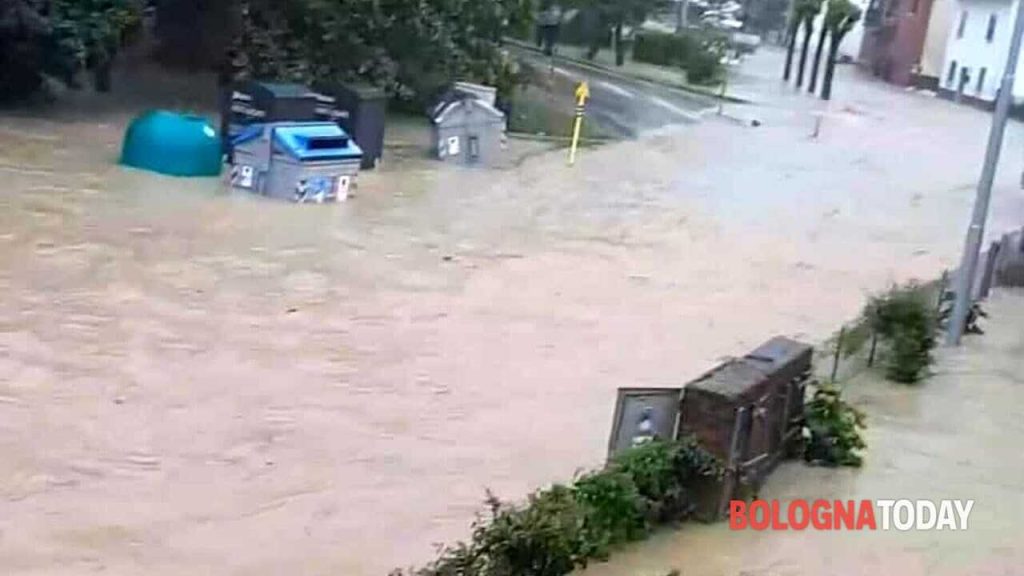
pixel 582 93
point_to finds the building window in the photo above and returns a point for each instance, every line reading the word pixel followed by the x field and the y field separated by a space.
pixel 963 24
pixel 990 33
pixel 952 73
pixel 981 81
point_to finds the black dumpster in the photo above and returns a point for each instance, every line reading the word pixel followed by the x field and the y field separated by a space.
pixel 254 102
pixel 361 109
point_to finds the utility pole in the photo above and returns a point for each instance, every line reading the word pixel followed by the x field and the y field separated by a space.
pixel 976 231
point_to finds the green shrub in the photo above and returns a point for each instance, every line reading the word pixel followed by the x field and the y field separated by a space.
pixel 704 68
pixel 699 53
pixel 663 473
pixel 544 537
pixel 561 528
pixel 833 429
pixel 905 319
pixel 664 49
pixel 614 512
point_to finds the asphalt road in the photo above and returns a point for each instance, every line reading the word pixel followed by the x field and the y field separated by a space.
pixel 625 107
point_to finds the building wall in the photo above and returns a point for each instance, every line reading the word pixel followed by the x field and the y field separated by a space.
pixel 973 51
pixel 933 56
pixel 893 49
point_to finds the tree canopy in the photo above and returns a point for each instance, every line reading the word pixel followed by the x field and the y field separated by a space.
pixel 58 38
pixel 410 47
pixel 841 17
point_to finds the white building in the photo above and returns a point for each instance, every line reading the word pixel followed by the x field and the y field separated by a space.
pixel 933 55
pixel 852 41
pixel 976 49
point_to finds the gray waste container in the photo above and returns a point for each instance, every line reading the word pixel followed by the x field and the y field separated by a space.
pixel 467 130
pixel 297 161
pixel 360 110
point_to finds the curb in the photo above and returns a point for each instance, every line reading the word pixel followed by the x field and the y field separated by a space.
pixel 689 89
pixel 559 139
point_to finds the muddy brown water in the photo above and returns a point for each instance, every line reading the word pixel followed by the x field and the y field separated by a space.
pixel 197 381
pixel 954 436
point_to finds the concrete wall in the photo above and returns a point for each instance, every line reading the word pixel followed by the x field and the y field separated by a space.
pixel 974 53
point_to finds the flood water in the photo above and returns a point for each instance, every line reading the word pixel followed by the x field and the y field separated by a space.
pixel 198 381
pixel 954 436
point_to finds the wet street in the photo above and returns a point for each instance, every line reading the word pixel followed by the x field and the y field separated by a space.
pixel 624 107
pixel 195 381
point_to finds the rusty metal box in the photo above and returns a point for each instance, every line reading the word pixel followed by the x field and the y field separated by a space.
pixel 747 411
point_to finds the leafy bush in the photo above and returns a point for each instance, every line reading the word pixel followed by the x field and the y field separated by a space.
pixel 905 319
pixel 833 429
pixel 663 473
pixel 664 49
pixel 704 68
pixel 546 537
pixel 614 511
pixel 699 53
pixel 58 39
pixel 561 528
pixel 413 49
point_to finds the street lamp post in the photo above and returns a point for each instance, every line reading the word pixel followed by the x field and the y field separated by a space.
pixel 976 230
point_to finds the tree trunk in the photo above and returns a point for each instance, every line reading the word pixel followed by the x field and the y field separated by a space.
pixel 595 31
pixel 102 74
pixel 808 30
pixel 790 48
pixel 813 83
pixel 620 48
pixel 830 67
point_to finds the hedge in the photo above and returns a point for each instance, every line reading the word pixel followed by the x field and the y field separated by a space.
pixel 561 528
pixel 699 53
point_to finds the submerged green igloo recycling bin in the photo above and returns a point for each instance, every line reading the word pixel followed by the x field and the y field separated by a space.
pixel 174 144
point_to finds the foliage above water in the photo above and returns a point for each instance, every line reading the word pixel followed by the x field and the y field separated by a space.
pixel 413 48
pixel 59 39
pixel 905 319
pixel 833 429
pixel 698 52
pixel 561 528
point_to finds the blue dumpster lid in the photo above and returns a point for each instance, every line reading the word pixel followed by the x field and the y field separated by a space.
pixel 250 132
pixel 315 141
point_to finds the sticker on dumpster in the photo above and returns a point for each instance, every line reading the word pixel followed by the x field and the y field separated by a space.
pixel 317 189
pixel 453 146
pixel 343 185
pixel 242 176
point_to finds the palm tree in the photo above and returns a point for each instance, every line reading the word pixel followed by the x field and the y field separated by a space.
pixel 813 83
pixel 841 17
pixel 794 25
pixel 808 10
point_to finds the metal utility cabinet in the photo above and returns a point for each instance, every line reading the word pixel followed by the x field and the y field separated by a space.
pixel 748 411
pixel 467 130
pixel 301 162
